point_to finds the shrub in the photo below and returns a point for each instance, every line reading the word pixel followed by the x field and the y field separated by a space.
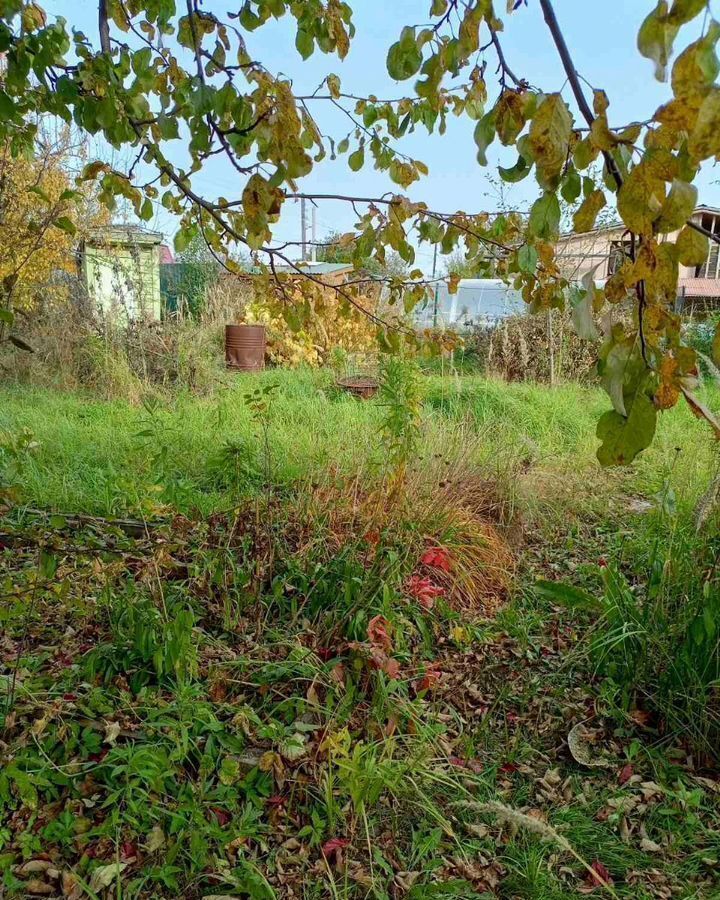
pixel 536 348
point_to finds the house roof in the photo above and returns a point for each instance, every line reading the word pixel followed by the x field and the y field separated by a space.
pixel 316 268
pixel 699 287
pixel 123 234
pixel 617 224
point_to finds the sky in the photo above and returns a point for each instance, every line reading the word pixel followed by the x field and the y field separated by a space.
pixel 601 35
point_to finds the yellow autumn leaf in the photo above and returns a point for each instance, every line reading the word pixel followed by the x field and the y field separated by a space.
pixel 677 206
pixel 549 137
pixel 584 218
pixel 692 247
pixel 704 139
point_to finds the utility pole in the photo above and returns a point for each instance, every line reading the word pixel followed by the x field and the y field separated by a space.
pixel 313 249
pixel 303 230
pixel 435 300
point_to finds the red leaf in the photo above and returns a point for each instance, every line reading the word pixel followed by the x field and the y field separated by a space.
pixel 221 815
pixel 599 876
pixel 333 846
pixel 508 768
pixel 392 668
pixel 128 850
pixel 277 800
pixel 437 558
pixel 423 590
pixel 626 773
pixel 378 633
pixel 373 537
pixel 429 679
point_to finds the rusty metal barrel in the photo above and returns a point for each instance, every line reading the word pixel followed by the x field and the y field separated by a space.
pixel 245 347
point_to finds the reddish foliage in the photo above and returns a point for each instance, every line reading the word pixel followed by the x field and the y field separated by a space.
pixel 626 773
pixel 429 679
pixel 423 590
pixel 277 800
pixel 599 876
pixel 508 768
pixel 221 815
pixel 391 667
pixel 437 558
pixel 128 850
pixel 334 846
pixel 373 537
pixel 378 633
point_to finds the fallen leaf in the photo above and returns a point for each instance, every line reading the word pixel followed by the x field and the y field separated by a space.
pixel 648 846
pixel 156 839
pixel 104 876
pixel 334 846
pixel 580 746
pixel 599 876
pixel 38 888
pixel 626 773
pixel 112 733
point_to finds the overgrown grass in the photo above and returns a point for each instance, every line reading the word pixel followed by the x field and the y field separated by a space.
pixel 102 456
pixel 261 699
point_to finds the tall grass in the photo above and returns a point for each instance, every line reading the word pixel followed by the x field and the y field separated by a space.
pixel 93 458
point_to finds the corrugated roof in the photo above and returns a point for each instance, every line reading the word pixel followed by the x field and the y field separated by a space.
pixel 124 234
pixel 316 268
pixel 699 287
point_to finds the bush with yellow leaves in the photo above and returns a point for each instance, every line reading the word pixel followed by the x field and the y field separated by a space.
pixel 306 322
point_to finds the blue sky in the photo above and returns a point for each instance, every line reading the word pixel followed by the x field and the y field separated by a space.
pixel 601 36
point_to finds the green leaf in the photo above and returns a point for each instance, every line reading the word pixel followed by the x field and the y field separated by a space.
pixel 527 258
pixel 182 240
pixel 571 185
pixel 7 316
pixel 544 221
pixel 304 43
pixel 229 771
pixel 65 224
pixel 581 309
pixel 519 171
pixel 655 38
pixel 683 11
pixel 404 57
pixel 484 135
pixel 624 437
pixel 566 594
pixel 39 192
pixel 622 370
pixel 357 159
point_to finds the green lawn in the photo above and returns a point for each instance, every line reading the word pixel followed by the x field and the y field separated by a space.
pixel 104 457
